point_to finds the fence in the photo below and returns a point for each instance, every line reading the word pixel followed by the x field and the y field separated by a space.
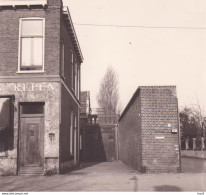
pixel 193 144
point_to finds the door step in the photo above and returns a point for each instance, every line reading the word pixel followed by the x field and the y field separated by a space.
pixel 31 171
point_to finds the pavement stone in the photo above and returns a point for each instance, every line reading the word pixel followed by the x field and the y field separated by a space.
pixel 105 177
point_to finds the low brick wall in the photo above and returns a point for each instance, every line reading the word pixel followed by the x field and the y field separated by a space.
pixel 194 153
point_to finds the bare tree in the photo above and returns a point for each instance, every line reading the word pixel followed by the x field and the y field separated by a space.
pixel 192 120
pixel 199 117
pixel 108 96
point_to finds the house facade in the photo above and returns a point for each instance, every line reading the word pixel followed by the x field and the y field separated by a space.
pixel 149 137
pixel 40 61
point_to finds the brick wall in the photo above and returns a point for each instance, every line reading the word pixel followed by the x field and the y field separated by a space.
pixel 9 37
pixel 149 119
pixel 67 105
pixel 130 151
pixel 159 115
pixel 93 148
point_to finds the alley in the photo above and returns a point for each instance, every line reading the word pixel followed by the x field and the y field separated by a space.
pixel 105 176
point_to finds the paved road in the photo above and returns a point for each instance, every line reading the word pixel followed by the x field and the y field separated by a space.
pixel 106 176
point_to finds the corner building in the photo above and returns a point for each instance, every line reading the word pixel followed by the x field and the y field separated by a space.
pixel 40 61
pixel 149 131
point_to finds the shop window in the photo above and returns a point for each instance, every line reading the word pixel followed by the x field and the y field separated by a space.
pixel 31 45
pixel 6 124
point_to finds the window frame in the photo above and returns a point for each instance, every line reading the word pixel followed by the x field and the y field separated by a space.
pixel 71 147
pixel 20 45
pixel 78 82
pixel 62 58
pixel 75 78
pixel 72 71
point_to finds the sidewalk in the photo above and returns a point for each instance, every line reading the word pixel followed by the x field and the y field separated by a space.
pixel 106 176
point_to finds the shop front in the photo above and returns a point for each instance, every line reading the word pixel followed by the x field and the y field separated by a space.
pixel 29 130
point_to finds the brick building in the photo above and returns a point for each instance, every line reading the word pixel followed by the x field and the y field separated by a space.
pixel 149 130
pixel 40 62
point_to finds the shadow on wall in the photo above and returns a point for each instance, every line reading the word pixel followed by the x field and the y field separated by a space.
pixel 93 144
pixel 6 125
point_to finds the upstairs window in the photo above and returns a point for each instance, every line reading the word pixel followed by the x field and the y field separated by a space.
pixel 31 46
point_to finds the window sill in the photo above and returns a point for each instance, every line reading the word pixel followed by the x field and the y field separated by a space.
pixel 32 72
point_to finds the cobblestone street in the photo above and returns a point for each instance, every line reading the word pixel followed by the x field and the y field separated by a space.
pixel 106 176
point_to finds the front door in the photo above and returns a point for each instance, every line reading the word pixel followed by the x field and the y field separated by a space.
pixel 31 142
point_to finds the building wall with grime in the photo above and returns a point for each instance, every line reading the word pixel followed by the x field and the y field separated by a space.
pixel 55 86
pixel 9 160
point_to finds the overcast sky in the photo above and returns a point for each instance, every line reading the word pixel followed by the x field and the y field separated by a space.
pixel 143 55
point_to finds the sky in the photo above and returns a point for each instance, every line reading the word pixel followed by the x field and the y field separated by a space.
pixel 147 42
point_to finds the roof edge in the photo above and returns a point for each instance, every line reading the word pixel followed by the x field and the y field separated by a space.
pixel 73 32
pixel 137 92
pixel 129 104
pixel 23 2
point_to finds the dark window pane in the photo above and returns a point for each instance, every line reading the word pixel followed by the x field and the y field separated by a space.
pixel 6 124
pixel 33 108
pixel 4 113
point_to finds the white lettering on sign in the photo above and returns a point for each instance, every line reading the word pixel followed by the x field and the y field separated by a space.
pixel 174 130
pixel 28 87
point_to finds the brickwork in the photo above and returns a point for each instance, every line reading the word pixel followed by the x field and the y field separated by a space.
pixel 159 129
pixel 130 147
pixel 67 105
pixel 30 86
pixel 9 39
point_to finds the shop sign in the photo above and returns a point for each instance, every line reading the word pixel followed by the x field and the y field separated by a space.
pixel 29 87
